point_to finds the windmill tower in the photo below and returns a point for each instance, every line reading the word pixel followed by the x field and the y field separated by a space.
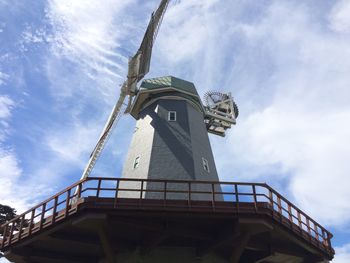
pixel 170 140
pixel 168 205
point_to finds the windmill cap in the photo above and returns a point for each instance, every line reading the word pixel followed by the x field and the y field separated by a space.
pixel 162 87
pixel 169 81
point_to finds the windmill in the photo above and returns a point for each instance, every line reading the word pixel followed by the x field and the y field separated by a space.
pixel 168 205
pixel 219 113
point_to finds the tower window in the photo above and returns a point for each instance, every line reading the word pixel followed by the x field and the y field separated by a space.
pixel 172 116
pixel 205 165
pixel 136 162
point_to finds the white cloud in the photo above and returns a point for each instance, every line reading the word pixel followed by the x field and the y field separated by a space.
pixel 10 182
pixel 15 191
pixel 3 77
pixel 342 254
pixel 291 81
pixel 340 17
pixel 88 34
pixel 74 143
pixel 184 31
pixel 303 130
pixel 6 104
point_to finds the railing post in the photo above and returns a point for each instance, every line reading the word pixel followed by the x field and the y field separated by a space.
pixel 54 210
pixel 290 216
pixel 237 198
pixel 271 198
pixel 21 228
pixel 42 217
pixel 141 191
pixel 98 188
pixel 116 193
pixel 299 223
pixel 189 194
pixel 213 195
pixel 329 236
pixel 11 232
pixel 4 236
pixel 255 199
pixel 165 192
pixel 324 241
pixel 79 190
pixel 308 228
pixel 279 208
pixel 316 231
pixel 31 222
pixel 68 202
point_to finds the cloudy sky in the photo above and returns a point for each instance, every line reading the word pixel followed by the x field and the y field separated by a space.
pixel 287 63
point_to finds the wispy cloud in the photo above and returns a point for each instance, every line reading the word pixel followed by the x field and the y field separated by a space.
pixel 342 254
pixel 290 79
pixel 3 77
pixel 88 34
pixel 6 105
pixel 339 17
pixel 74 143
pixel 15 191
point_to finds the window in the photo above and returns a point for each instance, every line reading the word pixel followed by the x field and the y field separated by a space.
pixel 136 162
pixel 172 116
pixel 205 165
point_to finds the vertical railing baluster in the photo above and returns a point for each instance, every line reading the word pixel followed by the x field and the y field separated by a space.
pixel 21 227
pixel 54 210
pixel 141 192
pixel 67 203
pixel 300 223
pixel 309 228
pixel 116 193
pixel 213 196
pixel 31 222
pixel 329 244
pixel 237 198
pixel 271 198
pixel 189 195
pixel 316 231
pixel 79 190
pixel 255 199
pixel 42 217
pixel 279 208
pixel 324 240
pixel 290 215
pixel 165 192
pixel 11 233
pixel 98 188
pixel 4 235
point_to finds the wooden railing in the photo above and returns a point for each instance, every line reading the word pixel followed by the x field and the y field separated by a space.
pixel 216 194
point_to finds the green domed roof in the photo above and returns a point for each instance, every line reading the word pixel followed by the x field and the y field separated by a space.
pixel 165 87
pixel 169 81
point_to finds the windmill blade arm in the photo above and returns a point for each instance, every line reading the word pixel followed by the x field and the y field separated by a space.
pixel 112 120
pixel 149 38
pixel 139 64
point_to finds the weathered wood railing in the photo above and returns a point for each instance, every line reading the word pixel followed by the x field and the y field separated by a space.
pixel 65 203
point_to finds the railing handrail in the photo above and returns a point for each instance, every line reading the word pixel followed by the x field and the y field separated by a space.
pixel 44 202
pixel 325 234
pixel 297 209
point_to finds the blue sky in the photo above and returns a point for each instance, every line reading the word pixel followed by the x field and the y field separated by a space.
pixel 287 64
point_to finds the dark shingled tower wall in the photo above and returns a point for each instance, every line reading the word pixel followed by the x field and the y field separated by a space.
pixel 166 149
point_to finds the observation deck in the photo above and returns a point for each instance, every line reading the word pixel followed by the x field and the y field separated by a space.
pixel 244 222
